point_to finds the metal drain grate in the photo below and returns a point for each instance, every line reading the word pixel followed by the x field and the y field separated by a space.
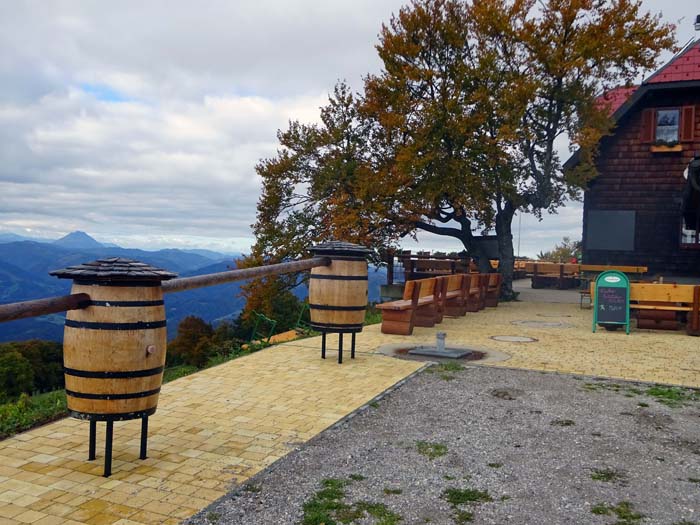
pixel 513 338
pixel 541 324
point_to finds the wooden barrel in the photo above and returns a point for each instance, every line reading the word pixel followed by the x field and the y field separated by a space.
pixel 114 350
pixel 338 292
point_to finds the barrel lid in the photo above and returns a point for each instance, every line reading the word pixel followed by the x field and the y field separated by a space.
pixel 114 269
pixel 331 248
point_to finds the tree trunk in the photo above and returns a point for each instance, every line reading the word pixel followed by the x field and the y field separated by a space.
pixel 504 220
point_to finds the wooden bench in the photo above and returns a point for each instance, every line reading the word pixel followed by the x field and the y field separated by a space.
pixel 493 292
pixel 457 294
pixel 422 305
pixel 662 306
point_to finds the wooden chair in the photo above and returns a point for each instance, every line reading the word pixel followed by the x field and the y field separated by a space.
pixel 398 316
pixel 493 291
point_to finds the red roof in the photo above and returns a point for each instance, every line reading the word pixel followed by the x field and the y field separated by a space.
pixel 613 99
pixel 684 66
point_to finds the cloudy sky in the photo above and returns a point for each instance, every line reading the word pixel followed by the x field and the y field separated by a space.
pixel 141 122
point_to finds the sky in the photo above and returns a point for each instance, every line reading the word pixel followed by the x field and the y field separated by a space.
pixel 141 122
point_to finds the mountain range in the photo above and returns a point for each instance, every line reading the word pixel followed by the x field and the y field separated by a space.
pixel 24 274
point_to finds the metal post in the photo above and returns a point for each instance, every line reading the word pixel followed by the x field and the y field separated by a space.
pixel 352 350
pixel 144 437
pixel 108 449
pixel 323 345
pixel 93 439
pixel 340 348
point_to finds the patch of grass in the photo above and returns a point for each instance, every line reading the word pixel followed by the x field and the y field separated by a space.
pixel 643 405
pixel 213 517
pixel 176 372
pixel 463 516
pixel 356 477
pixel 673 396
pixel 249 487
pixel 379 512
pixel 694 480
pixel 494 465
pixel 388 491
pixel 327 507
pixel 372 315
pixel 448 477
pixel 431 450
pixel 607 475
pixel 374 404
pixel 445 370
pixel 504 498
pixel 31 411
pixel 447 377
pixel 456 496
pixel 563 423
pixel 623 510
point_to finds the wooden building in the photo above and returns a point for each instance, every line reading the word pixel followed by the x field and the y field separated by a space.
pixel 643 207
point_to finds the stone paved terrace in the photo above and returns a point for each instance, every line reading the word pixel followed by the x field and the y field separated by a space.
pixel 222 425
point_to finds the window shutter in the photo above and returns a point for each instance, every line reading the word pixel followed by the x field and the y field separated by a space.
pixel 646 133
pixel 688 123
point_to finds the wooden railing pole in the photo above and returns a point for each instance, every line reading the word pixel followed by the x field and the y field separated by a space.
pixel 50 305
pixel 199 281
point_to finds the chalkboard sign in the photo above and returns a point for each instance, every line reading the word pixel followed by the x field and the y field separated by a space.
pixel 612 300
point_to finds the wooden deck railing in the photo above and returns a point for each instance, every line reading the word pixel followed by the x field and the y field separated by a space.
pixel 52 305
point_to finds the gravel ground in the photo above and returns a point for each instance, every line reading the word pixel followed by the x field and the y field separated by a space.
pixel 533 441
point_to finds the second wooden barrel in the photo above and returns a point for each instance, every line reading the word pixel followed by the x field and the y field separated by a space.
pixel 338 292
pixel 114 350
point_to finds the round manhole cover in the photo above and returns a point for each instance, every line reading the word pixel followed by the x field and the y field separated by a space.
pixel 513 338
pixel 541 324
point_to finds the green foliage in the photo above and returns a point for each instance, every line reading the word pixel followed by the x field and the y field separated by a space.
pixel 193 343
pixel 456 496
pixel 327 507
pixel 28 412
pixel 372 315
pixel 46 360
pixel 624 511
pixel 562 253
pixel 607 475
pixel 16 376
pixel 431 450
pixel 673 396
pixel 176 372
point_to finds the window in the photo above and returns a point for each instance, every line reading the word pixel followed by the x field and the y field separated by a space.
pixel 667 124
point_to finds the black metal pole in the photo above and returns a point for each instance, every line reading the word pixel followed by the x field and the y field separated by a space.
pixel 340 348
pixel 108 449
pixel 93 439
pixel 323 345
pixel 352 350
pixel 144 437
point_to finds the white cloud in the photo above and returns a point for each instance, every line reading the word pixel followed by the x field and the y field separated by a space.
pixel 141 122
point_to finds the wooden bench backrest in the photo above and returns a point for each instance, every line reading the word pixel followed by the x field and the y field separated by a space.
pixel 494 279
pixel 454 282
pixel 662 293
pixel 604 268
pixel 427 287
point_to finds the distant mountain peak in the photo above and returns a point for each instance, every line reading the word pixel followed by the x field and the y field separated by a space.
pixel 78 239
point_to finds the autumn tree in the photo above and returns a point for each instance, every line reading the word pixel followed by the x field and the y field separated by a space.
pixel 562 252
pixel 473 98
pixel 192 342
pixel 459 129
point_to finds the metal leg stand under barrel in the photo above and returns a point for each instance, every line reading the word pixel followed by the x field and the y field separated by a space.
pixel 340 346
pixel 338 293
pixel 109 438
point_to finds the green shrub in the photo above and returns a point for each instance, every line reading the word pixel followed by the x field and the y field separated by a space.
pixel 46 360
pixel 16 376
pixel 28 412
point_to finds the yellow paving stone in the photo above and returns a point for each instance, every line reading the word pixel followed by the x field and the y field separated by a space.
pixel 29 516
pixel 103 519
pixel 9 510
pixel 238 417
pixel 50 520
